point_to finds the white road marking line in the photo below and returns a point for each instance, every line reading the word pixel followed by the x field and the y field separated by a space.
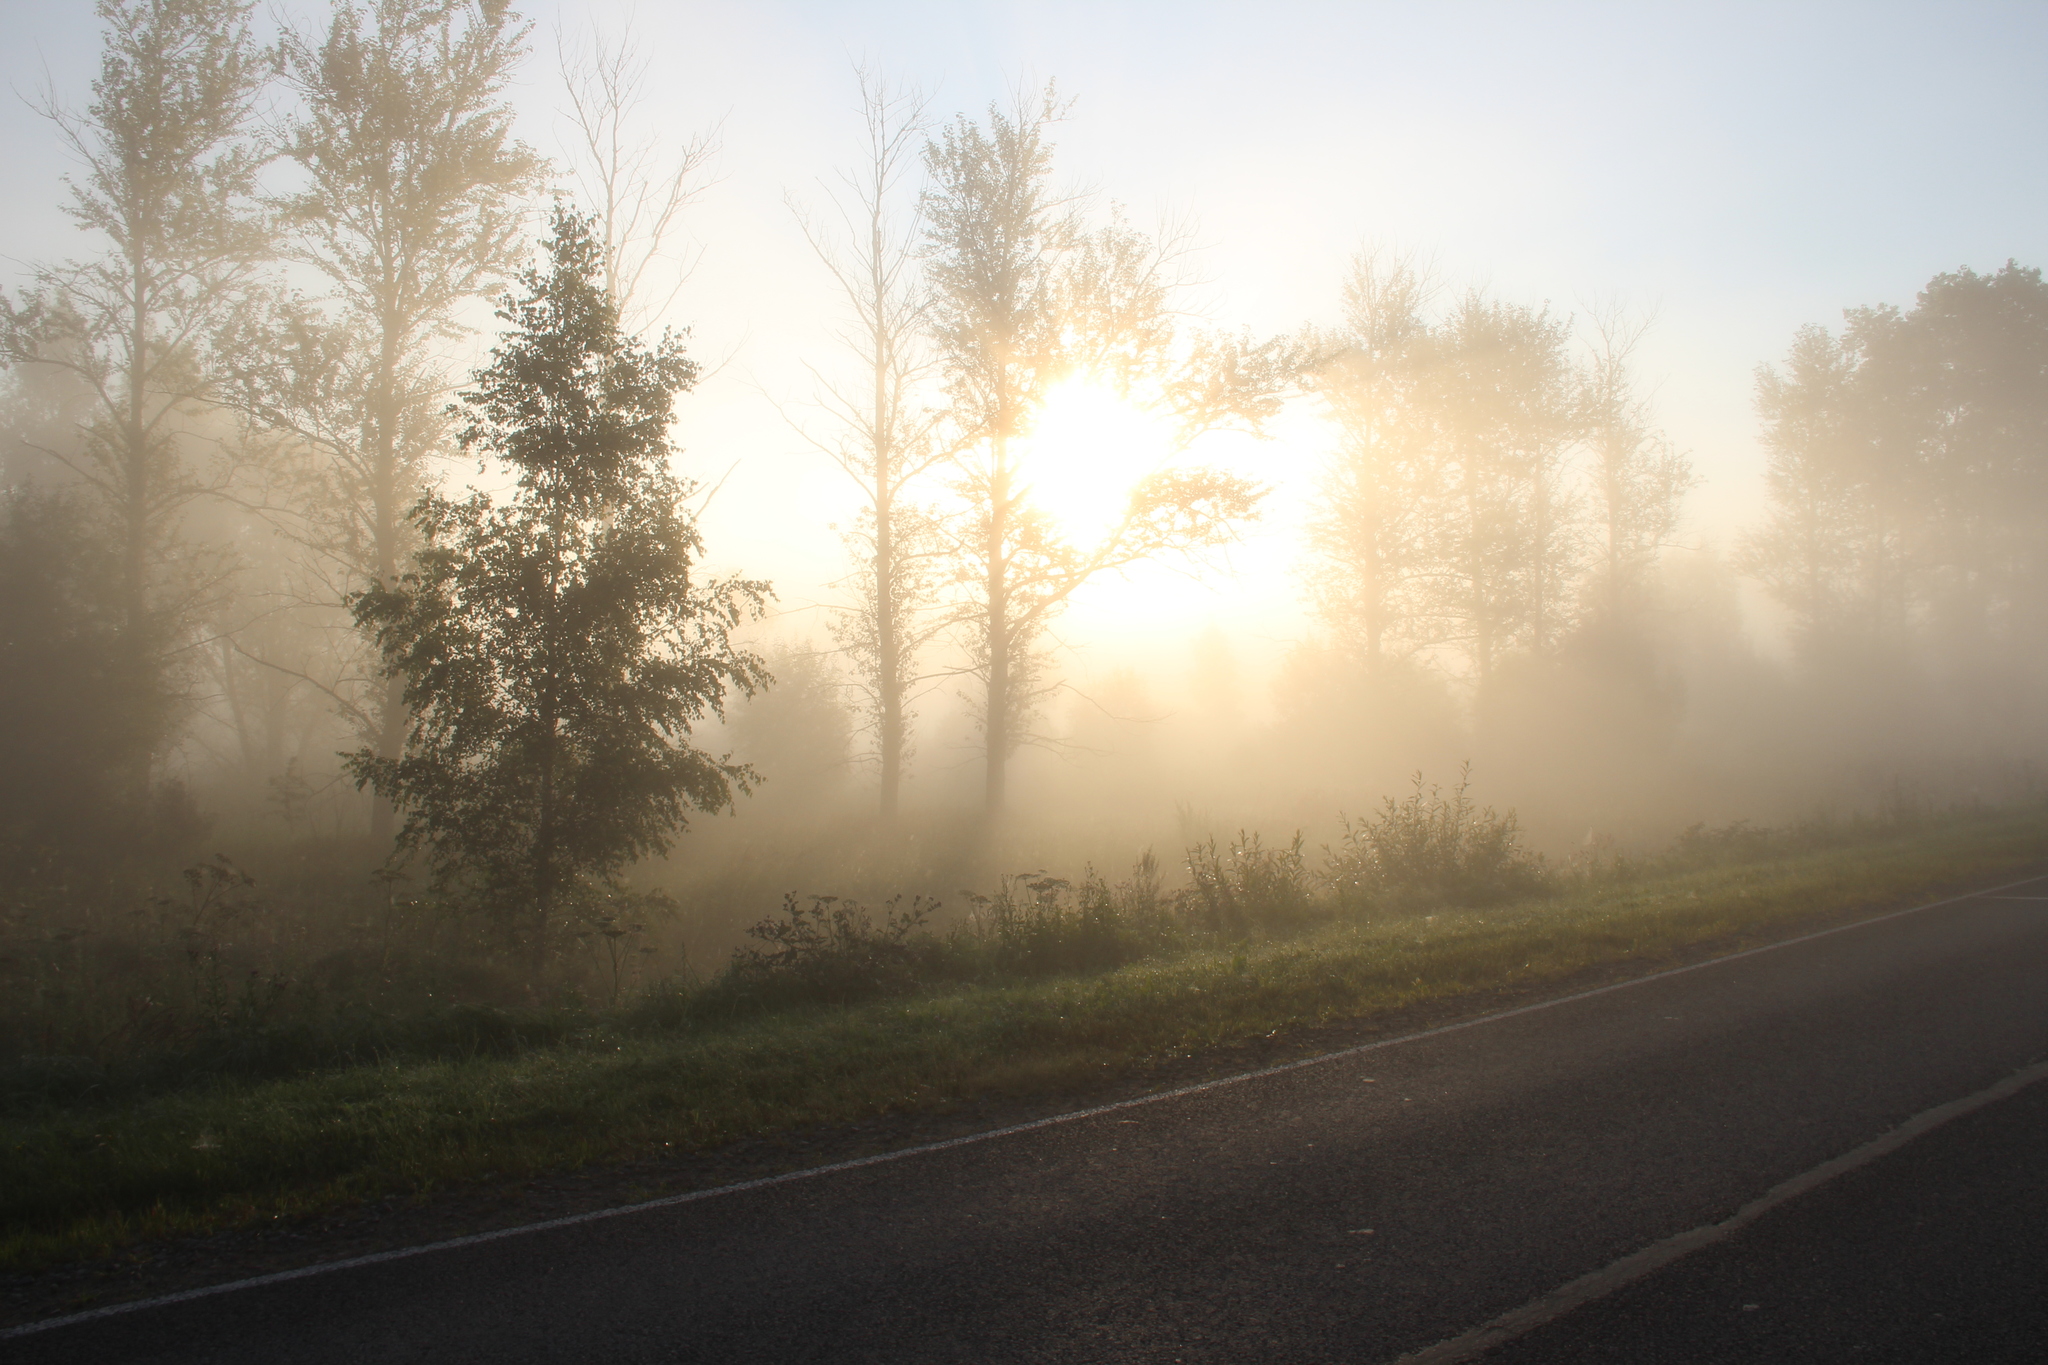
pixel 1635 1266
pixel 902 1154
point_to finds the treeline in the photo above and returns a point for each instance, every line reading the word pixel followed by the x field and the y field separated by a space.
pixel 224 433
pixel 1909 476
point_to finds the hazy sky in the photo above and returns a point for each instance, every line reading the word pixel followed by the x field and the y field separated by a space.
pixel 1743 169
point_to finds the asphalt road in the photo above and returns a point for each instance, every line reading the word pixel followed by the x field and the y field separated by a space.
pixel 1352 1210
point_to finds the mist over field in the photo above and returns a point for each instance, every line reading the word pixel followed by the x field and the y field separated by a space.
pixel 496 500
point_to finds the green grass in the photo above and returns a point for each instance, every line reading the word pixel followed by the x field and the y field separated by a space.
pixel 85 1181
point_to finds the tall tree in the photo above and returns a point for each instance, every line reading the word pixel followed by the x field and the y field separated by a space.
pixel 1023 295
pixel 1980 348
pixel 1507 548
pixel 1907 487
pixel 1638 480
pixel 1814 549
pixel 1372 527
pixel 635 184
pixel 166 176
pixel 411 205
pixel 556 649
pixel 886 437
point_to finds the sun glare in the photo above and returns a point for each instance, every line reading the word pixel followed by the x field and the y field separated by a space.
pixel 1088 449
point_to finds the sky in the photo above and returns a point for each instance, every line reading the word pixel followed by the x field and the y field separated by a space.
pixel 1742 170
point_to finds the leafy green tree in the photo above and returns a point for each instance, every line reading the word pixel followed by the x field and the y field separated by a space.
pixel 557 648
pixel 166 177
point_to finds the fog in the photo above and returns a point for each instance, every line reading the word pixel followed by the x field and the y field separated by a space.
pixel 1649 411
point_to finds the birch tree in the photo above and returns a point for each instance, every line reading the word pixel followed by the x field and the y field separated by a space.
pixel 557 648
pixel 635 183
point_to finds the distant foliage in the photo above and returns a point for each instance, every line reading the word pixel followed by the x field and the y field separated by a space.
pixel 1431 848
pixel 1908 496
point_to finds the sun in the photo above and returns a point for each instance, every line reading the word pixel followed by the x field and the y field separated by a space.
pixel 1090 446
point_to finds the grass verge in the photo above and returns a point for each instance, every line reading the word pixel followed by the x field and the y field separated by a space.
pixel 83 1182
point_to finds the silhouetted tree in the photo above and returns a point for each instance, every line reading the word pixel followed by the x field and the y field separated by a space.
pixel 886 439
pixel 167 177
pixel 1907 483
pixel 1024 295
pixel 1506 553
pixel 410 206
pixel 634 184
pixel 1637 480
pixel 557 648
pixel 1372 526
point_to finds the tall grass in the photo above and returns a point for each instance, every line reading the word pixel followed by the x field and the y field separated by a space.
pixel 228 974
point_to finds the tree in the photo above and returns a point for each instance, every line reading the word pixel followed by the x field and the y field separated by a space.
pixel 1804 553
pixel 1639 481
pixel 411 207
pixel 1023 296
pixel 557 648
pixel 1507 551
pixel 887 440
pixel 1906 481
pixel 167 176
pixel 635 191
pixel 72 722
pixel 1372 527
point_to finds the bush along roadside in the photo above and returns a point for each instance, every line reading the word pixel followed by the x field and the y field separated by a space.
pixel 199 1005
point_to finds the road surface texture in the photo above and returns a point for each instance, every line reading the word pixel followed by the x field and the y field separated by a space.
pixel 1360 1208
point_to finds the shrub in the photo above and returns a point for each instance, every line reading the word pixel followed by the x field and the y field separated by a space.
pixel 1249 886
pixel 1433 849
pixel 832 952
pixel 1038 925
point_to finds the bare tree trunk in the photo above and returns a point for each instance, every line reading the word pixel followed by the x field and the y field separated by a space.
pixel 997 723
pixel 888 645
pixel 384 493
pixel 888 649
pixel 138 660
